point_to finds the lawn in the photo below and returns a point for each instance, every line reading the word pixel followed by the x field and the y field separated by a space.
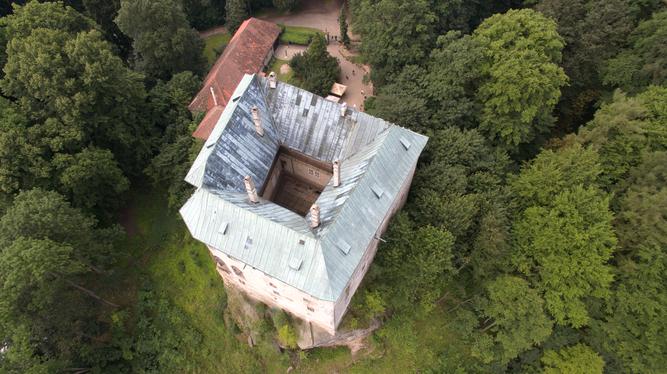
pixel 275 66
pixel 214 45
pixel 298 35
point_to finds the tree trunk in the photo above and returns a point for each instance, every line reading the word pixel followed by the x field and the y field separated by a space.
pixel 86 291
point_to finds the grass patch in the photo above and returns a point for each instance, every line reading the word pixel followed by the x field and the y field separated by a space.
pixel 275 66
pixel 214 45
pixel 298 35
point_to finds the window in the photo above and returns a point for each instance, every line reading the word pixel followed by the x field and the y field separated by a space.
pixel 272 285
pixel 310 308
pixel 242 282
pixel 276 292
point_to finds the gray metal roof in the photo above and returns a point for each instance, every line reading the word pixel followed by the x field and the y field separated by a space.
pixel 376 159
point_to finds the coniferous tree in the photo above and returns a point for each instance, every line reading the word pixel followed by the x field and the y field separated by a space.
pixel 236 11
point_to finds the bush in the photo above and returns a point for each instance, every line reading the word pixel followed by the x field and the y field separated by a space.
pixel 287 337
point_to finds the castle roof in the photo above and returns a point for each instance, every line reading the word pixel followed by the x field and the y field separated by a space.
pixel 376 158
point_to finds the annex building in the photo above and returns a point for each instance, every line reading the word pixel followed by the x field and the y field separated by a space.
pixel 293 193
pixel 248 52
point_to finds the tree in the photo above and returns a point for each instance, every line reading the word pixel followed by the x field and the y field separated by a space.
pixel 416 263
pixel 76 91
pixel 439 95
pixel 315 68
pixel 459 188
pixel 51 15
pixel 342 22
pixel 49 254
pixel 236 11
pixel 514 315
pixel 204 14
pixel 454 73
pixel 594 31
pixel 73 94
pixel 163 41
pixel 91 179
pixel 522 79
pixel 21 163
pixel 632 329
pixel 552 172
pixel 563 239
pixel 285 4
pixel 624 128
pixel 394 33
pixel 577 359
pixel 177 148
pixel 103 13
pixel 403 101
pixel 645 62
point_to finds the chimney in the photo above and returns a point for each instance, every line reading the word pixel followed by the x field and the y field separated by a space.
pixel 336 173
pixel 343 109
pixel 314 216
pixel 215 98
pixel 250 189
pixel 272 80
pixel 258 122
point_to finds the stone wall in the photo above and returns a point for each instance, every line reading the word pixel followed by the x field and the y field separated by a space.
pixel 273 292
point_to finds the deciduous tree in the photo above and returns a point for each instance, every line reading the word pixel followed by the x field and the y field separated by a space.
pixel 515 316
pixel 577 359
pixel 163 41
pixel 522 79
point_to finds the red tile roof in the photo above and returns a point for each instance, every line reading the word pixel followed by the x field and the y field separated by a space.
pixel 245 54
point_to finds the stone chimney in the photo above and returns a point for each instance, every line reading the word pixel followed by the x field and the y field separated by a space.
pixel 272 80
pixel 314 216
pixel 257 120
pixel 343 109
pixel 336 173
pixel 250 189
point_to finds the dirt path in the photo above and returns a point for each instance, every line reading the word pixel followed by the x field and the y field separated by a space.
pixel 323 15
pixel 213 31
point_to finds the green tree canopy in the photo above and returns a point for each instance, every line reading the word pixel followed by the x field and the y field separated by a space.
pixel 163 41
pixel 285 4
pixel 395 33
pixel 564 238
pixel 645 62
pixel 236 11
pixel 632 330
pixel 594 31
pixel 515 316
pixel 623 129
pixel 417 263
pixel 522 79
pixel 315 68
pixel 91 179
pixel 49 253
pixel 577 359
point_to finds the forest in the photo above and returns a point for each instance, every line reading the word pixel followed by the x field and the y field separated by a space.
pixel 534 238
